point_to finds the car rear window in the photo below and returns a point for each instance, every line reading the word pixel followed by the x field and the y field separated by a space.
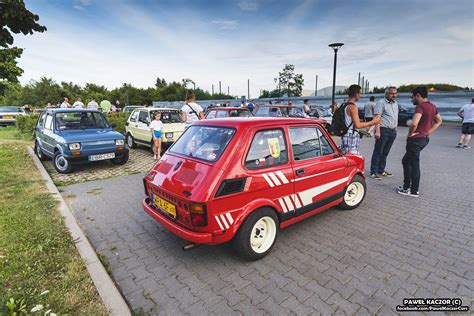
pixel 10 109
pixel 239 113
pixel 80 120
pixel 203 142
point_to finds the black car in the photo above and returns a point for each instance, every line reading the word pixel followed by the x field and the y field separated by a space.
pixel 405 115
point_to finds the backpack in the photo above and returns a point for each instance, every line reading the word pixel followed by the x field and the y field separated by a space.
pixel 338 126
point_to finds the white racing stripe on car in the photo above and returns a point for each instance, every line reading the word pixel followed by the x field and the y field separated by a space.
pixel 274 178
pixel 229 218
pixel 283 206
pixel 288 202
pixel 308 195
pixel 282 177
pixel 296 200
pixel 224 221
pixel 270 183
pixel 219 222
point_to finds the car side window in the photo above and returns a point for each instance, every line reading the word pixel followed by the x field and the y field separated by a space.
pixel 326 148
pixel 143 117
pixel 211 114
pixel 268 149
pixel 305 142
pixel 48 122
pixel 41 119
pixel 221 114
pixel 133 117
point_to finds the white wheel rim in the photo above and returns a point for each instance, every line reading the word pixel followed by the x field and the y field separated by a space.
pixel 129 141
pixel 354 193
pixel 263 234
pixel 61 163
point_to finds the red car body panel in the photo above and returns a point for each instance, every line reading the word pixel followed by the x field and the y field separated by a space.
pixel 292 193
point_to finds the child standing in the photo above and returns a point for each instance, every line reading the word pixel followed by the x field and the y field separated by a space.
pixel 156 129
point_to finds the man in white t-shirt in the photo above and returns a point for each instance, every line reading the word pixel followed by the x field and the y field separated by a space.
pixel 78 104
pixel 65 104
pixel 191 111
pixel 467 115
pixel 92 105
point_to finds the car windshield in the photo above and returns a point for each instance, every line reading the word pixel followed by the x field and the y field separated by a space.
pixel 203 142
pixel 10 109
pixel 267 111
pixel 169 116
pixel 239 113
pixel 80 120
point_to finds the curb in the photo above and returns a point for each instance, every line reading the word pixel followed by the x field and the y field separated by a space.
pixel 108 292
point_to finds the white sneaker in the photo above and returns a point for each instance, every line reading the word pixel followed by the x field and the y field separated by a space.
pixel 154 157
pixel 466 147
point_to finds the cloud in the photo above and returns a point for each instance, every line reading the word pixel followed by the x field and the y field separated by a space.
pixel 226 24
pixel 248 5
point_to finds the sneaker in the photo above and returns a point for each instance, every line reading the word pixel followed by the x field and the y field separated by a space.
pixel 407 192
pixel 375 176
pixel 459 145
pixel 386 174
pixel 466 147
pixel 154 157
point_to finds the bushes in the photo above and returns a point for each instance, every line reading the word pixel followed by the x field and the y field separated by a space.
pixel 25 124
pixel 118 119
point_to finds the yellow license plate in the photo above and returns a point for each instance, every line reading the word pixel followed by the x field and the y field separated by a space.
pixel 164 205
pixel 8 116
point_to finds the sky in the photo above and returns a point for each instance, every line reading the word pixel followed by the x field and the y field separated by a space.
pixel 111 42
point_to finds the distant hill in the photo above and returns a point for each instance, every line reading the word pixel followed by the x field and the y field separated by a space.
pixel 431 87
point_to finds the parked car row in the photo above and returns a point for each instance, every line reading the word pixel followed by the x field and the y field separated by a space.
pixel 8 115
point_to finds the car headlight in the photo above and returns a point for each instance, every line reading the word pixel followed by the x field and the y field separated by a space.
pixel 74 146
pixel 119 142
pixel 169 135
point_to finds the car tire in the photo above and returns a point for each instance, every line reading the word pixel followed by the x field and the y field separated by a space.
pixel 61 164
pixel 39 152
pixel 131 141
pixel 408 122
pixel 257 235
pixel 354 193
pixel 120 160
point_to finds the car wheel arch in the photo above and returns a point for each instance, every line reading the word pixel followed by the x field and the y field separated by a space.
pixel 253 207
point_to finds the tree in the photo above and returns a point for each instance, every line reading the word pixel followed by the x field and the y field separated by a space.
pixel 290 83
pixel 14 18
pixel 160 83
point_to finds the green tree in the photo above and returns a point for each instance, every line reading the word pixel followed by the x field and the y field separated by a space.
pixel 14 18
pixel 160 83
pixel 39 93
pixel 291 84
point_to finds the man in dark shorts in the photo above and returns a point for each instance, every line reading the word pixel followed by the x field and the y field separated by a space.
pixel 467 115
pixel 425 121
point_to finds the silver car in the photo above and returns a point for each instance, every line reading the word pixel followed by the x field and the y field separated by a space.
pixel 8 115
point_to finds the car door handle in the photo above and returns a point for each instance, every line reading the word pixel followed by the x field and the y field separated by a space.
pixel 300 172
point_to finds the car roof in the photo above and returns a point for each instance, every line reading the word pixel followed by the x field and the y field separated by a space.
pixel 228 108
pixel 54 110
pixel 149 109
pixel 247 122
pixel 276 106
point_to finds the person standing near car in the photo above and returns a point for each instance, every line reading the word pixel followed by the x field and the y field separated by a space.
pixel 307 108
pixel 78 104
pixel 425 121
pixel 65 104
pixel 385 133
pixel 156 130
pixel 350 141
pixel 92 105
pixel 191 111
pixel 467 115
pixel 369 109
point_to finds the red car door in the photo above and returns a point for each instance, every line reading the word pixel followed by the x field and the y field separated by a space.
pixel 319 170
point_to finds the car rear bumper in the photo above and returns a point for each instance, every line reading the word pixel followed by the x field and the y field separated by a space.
pixel 192 236
pixel 7 122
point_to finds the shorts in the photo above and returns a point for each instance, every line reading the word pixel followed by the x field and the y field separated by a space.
pixel 468 128
pixel 157 134
pixel 350 142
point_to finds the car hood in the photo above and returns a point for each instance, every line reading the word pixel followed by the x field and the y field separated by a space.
pixel 88 135
pixel 174 127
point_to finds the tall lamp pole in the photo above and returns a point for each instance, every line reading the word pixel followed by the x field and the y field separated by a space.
pixel 335 47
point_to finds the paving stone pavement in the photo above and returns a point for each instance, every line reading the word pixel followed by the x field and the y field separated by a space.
pixel 140 160
pixel 363 261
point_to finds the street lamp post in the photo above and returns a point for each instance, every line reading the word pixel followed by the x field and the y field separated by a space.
pixel 335 47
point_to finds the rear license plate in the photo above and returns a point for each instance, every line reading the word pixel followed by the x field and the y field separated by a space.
pixel 101 157
pixel 164 205
pixel 8 117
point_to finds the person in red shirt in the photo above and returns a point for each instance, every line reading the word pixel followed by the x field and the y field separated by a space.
pixel 425 121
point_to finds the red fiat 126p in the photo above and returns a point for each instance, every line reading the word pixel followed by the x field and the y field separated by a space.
pixel 243 179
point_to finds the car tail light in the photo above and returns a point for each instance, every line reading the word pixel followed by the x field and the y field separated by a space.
pixel 198 214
